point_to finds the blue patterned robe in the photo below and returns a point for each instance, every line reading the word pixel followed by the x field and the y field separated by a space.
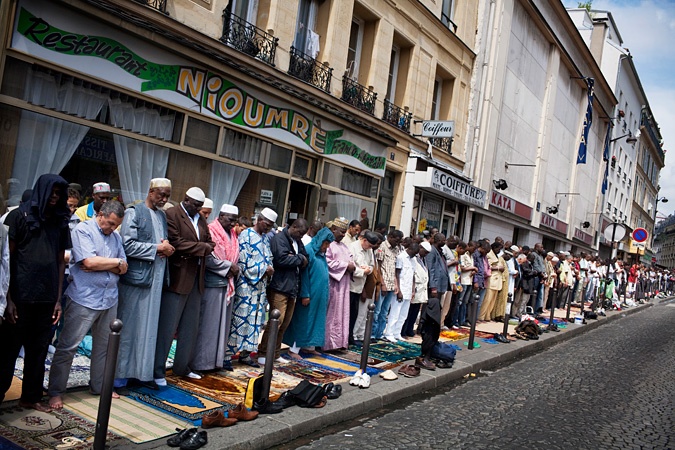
pixel 250 298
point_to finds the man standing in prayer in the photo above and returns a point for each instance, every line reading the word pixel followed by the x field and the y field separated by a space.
pixel 386 254
pixel 38 237
pixel 216 309
pixel 147 248
pixel 255 270
pixel 352 234
pixel 307 329
pixel 207 209
pixel 405 273
pixel 181 300
pixel 340 267
pixel 364 261
pixel 101 193
pixel 290 258
pixel 97 261
pixel 314 228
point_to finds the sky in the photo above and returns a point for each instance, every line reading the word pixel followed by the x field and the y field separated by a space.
pixel 648 30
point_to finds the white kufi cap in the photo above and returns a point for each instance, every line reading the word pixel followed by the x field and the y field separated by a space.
pixel 208 203
pixel 160 183
pixel 229 209
pixel 269 214
pixel 425 245
pixel 196 194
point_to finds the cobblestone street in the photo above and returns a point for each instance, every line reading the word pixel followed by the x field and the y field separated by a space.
pixel 611 388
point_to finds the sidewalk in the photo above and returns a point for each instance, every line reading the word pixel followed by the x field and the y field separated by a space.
pixel 292 423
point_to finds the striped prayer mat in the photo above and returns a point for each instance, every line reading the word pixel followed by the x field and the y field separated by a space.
pixel 128 418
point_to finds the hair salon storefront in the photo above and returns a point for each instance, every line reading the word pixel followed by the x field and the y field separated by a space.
pixel 85 100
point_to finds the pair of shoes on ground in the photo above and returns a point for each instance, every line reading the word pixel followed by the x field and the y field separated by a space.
pixel 188 439
pixel 360 379
pixel 280 360
pixel 388 375
pixel 218 418
pixel 332 390
pixel 409 371
pixel 424 363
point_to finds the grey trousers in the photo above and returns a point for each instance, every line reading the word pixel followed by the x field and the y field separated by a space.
pixel 178 313
pixel 77 320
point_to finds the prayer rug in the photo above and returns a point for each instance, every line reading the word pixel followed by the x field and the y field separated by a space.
pixel 128 418
pixel 79 372
pixel 390 352
pixel 302 370
pixel 338 364
pixel 30 429
pixel 177 401
pixel 463 333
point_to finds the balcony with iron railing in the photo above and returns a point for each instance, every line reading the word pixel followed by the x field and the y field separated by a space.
pixel 159 5
pixel 396 116
pixel 359 96
pixel 444 144
pixel 647 121
pixel 249 39
pixel 309 70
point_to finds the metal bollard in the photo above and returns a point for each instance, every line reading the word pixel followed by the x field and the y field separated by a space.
pixel 474 319
pixel 105 403
pixel 507 314
pixel 553 300
pixel 366 337
pixel 570 297
pixel 273 329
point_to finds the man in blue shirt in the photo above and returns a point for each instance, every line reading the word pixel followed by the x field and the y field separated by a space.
pixel 97 261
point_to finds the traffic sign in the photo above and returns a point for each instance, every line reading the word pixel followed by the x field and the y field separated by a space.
pixel 640 235
pixel 614 232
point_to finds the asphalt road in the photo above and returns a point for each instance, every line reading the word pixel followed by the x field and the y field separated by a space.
pixel 613 387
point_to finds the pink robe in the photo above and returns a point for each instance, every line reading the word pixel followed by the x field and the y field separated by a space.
pixel 338 257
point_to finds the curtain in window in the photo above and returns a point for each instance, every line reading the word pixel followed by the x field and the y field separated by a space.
pixel 45 144
pixel 138 162
pixel 348 207
pixel 226 183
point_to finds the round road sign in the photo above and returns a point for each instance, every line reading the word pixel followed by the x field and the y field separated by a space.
pixel 640 235
pixel 614 232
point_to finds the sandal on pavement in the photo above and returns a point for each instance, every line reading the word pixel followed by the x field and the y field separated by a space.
pixel 197 440
pixel 175 441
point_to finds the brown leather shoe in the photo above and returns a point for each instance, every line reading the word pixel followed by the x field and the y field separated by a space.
pixel 217 419
pixel 424 363
pixel 241 413
pixel 409 371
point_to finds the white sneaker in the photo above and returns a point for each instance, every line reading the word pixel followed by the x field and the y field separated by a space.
pixel 194 376
pixel 365 381
pixel 356 380
pixel 160 381
pixel 282 360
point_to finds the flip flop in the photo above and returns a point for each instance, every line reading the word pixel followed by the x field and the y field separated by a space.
pixel 475 344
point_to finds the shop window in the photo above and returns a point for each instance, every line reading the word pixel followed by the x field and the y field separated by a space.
pixel 335 204
pixel 304 168
pixel 186 170
pixel 262 190
pixel 252 150
pixel 201 135
pixel 350 180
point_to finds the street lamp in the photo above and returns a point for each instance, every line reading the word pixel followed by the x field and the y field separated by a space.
pixel 631 139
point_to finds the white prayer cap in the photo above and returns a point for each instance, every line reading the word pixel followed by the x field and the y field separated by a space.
pixel 269 214
pixel 160 183
pixel 515 248
pixel 555 259
pixel 229 209
pixel 425 245
pixel 196 194
pixel 101 187
pixel 208 203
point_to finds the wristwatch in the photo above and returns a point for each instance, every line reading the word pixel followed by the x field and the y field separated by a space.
pixel 120 261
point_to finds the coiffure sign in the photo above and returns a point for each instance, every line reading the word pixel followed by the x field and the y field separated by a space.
pixel 438 128
pixel 454 187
